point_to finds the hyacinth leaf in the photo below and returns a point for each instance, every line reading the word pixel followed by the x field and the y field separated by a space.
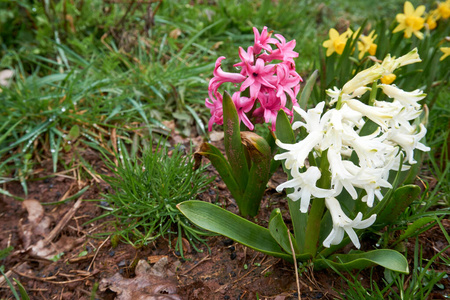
pixel 215 219
pixel 284 130
pixel 307 89
pixel 387 258
pixel 260 155
pixel 286 135
pixel 279 232
pixel 233 146
pixel 400 200
pixel 222 166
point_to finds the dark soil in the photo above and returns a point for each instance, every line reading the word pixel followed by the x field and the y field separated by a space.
pixel 228 271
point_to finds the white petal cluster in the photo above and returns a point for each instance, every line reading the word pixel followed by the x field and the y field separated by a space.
pixel 337 132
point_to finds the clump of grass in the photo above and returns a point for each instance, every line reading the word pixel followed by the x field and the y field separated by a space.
pixel 146 192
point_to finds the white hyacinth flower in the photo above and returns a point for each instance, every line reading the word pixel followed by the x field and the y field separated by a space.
pixel 405 98
pixel 391 63
pixel 305 187
pixel 408 141
pixel 342 223
pixel 379 115
pixel 296 154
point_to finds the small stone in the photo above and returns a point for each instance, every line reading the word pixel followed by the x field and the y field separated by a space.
pixel 228 242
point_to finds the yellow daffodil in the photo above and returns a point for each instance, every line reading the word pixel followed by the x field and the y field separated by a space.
pixel 432 18
pixel 388 79
pixel 366 44
pixel 444 9
pixel 411 20
pixel 446 51
pixel 337 41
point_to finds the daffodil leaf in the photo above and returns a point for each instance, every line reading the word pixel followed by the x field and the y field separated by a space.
pixel 232 140
pixel 215 219
pixel 387 258
pixel 279 232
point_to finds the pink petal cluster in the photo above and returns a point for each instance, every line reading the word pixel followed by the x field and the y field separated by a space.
pixel 267 74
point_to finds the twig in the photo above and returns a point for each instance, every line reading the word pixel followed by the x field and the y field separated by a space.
pixel 194 266
pixel 96 253
pixel 48 279
pixel 69 215
pixel 295 265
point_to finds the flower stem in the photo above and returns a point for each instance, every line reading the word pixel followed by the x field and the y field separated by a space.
pixel 317 209
pixel 373 93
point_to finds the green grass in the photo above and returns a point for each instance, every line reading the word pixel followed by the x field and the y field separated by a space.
pixel 93 74
pixel 146 191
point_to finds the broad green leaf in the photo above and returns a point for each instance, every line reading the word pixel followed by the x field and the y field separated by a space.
pixel 284 131
pixel 285 134
pixel 279 232
pixel 387 258
pixel 223 168
pixel 232 140
pixel 400 200
pixel 307 89
pixel 213 218
pixel 260 155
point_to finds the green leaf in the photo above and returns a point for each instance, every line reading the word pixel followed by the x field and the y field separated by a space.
pixel 260 155
pixel 221 221
pixel 23 293
pixel 284 131
pixel 74 132
pixel 279 232
pixel 223 168
pixel 414 228
pixel 11 287
pixel 5 252
pixel 232 140
pixel 387 258
pixel 306 93
pixel 400 200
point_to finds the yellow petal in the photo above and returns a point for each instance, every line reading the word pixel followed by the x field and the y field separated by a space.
pixel 419 11
pixel 333 34
pixel 446 51
pixel 329 51
pixel 327 43
pixel 408 8
pixel 399 27
pixel 418 34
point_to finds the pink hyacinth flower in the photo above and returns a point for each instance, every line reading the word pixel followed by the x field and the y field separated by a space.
pixel 262 41
pixel 216 110
pixel 243 105
pixel 259 75
pixel 285 51
pixel 220 76
pixel 287 80
pixel 269 107
pixel 247 59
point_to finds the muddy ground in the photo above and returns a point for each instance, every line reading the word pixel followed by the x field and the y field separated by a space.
pixel 229 270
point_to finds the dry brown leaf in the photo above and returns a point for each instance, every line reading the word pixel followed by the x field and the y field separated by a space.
pixel 150 283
